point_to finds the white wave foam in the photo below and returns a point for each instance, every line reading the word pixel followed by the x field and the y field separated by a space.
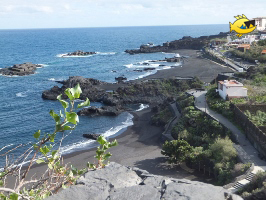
pixel 142 106
pixel 42 65
pixel 146 74
pixel 106 53
pixel 110 132
pixel 22 94
pixel 129 65
pixel 65 55
pixel 125 124
pixel 55 79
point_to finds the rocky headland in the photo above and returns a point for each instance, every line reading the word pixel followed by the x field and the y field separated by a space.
pixel 118 182
pixel 79 53
pixel 20 69
pixel 149 92
pixel 186 42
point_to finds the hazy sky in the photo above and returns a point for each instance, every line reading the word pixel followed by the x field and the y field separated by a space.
pixel 104 13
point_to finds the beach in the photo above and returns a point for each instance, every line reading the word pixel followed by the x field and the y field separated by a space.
pixel 140 144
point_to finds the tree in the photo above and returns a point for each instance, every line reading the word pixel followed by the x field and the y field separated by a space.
pixel 223 150
pixel 177 150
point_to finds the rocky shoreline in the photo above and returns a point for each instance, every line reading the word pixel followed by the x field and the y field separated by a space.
pixel 20 69
pixel 186 42
pixel 151 92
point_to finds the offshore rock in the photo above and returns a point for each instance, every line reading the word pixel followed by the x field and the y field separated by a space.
pixel 20 69
pixel 117 182
pixel 79 53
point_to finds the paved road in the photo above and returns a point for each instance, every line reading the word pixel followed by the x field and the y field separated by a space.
pixel 245 149
pixel 224 59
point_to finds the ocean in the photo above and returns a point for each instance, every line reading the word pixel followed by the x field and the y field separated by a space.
pixel 23 111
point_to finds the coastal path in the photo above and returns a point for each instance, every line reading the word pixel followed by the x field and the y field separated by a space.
pixel 246 151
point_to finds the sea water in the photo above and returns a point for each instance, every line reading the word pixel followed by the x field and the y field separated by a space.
pixel 23 111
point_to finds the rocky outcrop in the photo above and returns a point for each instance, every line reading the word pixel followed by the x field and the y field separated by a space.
pixel 20 69
pixel 120 79
pixel 186 42
pixel 117 182
pixel 91 136
pixel 79 53
pixel 102 111
pixel 88 86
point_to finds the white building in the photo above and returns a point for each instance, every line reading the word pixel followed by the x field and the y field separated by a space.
pixel 260 22
pixel 231 89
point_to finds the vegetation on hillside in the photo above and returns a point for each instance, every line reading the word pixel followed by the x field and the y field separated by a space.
pixel 256 189
pixel 202 143
pixel 254 53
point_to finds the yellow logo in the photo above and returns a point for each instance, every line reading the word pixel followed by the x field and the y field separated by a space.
pixel 242 25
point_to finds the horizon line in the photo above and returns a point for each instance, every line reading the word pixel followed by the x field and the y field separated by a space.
pixel 107 27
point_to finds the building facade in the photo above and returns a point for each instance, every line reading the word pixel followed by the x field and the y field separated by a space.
pixel 260 22
pixel 231 89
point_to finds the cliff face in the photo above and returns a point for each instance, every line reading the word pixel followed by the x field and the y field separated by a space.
pixel 117 182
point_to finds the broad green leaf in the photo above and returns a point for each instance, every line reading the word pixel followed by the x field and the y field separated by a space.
pixel 50 165
pixel 39 161
pixel 54 153
pixel 2 174
pixel 44 150
pixel 1 183
pixel 77 91
pixel 114 143
pixel 101 140
pixel 58 128
pixel 64 186
pixel 83 104
pixel 66 128
pixel 63 102
pixel 72 117
pixel 52 136
pixel 55 116
pixel 69 93
pixel 37 134
pixel 13 196
pixel 91 166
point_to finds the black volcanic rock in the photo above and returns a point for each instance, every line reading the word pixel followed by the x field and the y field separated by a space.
pixel 20 69
pixel 120 79
pixel 186 42
pixel 79 53
pixel 91 136
pixel 88 86
pixel 149 68
pixel 102 111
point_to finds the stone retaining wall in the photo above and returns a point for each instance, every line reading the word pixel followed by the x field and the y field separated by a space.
pixel 255 134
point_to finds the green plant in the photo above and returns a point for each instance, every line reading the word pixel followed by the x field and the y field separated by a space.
pixel 101 156
pixel 177 151
pixel 56 175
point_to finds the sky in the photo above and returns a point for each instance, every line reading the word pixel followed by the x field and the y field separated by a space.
pixel 24 14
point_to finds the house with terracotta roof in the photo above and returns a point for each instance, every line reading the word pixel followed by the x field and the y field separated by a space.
pixel 263 52
pixel 229 89
pixel 243 47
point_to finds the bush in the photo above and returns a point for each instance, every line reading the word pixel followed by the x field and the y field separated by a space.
pixel 177 151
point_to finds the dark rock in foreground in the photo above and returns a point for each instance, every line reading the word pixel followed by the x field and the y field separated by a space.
pixel 102 111
pixel 117 182
pixel 20 69
pixel 79 53
pixel 91 136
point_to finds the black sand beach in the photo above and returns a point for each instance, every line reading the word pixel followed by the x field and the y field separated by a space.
pixel 140 145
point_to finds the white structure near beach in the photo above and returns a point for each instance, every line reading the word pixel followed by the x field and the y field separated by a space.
pixel 260 22
pixel 231 89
